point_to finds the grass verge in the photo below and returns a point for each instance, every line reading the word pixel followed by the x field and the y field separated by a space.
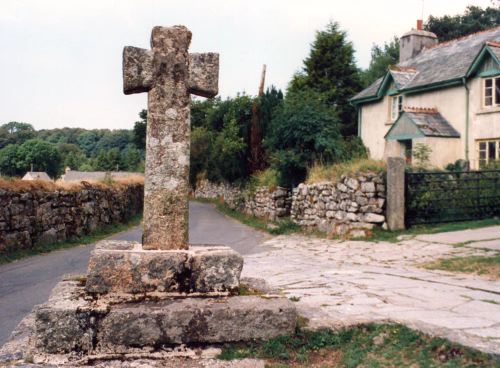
pixel 388 345
pixel 272 227
pixel 392 236
pixel 100 233
pixel 488 266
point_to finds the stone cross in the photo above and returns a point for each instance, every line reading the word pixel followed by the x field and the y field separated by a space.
pixel 169 74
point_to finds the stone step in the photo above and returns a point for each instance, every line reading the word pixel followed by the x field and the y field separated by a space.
pixel 68 322
pixel 118 267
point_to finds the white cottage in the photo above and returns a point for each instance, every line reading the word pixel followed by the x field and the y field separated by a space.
pixel 444 95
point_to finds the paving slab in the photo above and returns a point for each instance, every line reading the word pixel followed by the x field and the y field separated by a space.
pixel 341 284
pixel 463 236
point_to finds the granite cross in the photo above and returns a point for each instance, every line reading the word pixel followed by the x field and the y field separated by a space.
pixel 169 74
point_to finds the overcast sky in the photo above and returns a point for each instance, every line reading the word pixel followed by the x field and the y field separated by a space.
pixel 60 62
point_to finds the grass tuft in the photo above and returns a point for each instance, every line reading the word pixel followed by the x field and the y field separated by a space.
pixel 388 345
pixel 488 266
pixel 321 173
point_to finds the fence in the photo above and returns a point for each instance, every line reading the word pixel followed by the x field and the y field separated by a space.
pixel 433 197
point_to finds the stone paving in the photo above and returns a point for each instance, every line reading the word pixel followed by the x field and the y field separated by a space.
pixel 342 283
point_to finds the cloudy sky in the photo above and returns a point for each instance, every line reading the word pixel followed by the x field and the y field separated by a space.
pixel 60 61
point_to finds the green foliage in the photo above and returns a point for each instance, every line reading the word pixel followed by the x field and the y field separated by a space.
pixel 474 19
pixel 15 133
pixel 305 130
pixel 331 70
pixel 9 160
pixel 381 58
pixel 388 345
pixel 227 160
pixel 42 155
pixel 422 154
pixel 139 130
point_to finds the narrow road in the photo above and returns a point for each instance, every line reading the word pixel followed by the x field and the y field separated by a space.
pixel 28 282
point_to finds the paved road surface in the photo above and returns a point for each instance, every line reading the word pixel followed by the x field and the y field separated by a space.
pixel 28 282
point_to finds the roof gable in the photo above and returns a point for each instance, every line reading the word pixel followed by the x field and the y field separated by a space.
pixel 487 60
pixel 415 123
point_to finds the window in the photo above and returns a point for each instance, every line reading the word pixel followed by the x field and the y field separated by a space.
pixel 491 92
pixel 396 107
pixel 489 151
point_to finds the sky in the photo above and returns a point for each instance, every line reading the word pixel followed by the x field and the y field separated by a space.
pixel 61 60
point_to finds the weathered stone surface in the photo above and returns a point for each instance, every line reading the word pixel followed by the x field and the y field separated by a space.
pixel 197 320
pixel 165 73
pixel 64 323
pixel 125 267
pixel 136 270
pixel 395 193
pixel 215 269
pixel 68 322
pixel 204 74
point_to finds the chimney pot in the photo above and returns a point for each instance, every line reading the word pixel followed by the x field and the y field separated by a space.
pixel 420 24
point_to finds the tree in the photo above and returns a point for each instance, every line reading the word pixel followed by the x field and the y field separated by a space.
pixel 474 19
pixel 43 156
pixel 331 70
pixel 305 130
pixel 228 155
pixel 130 158
pixel 139 132
pixel 15 133
pixel 71 155
pixel 9 160
pixel 381 58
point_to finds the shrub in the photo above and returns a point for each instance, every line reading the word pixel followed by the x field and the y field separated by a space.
pixel 319 173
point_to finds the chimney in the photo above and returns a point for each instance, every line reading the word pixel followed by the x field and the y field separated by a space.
pixel 413 42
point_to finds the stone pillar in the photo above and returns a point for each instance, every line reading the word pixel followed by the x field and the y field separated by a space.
pixel 395 193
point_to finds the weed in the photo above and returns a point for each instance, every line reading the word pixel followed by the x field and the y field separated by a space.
pixel 294 298
pixel 366 345
pixel 320 173
pixel 480 265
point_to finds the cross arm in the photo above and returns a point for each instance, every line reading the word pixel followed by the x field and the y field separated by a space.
pixel 137 70
pixel 204 74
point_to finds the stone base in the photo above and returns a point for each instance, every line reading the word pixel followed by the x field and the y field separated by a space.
pixel 118 267
pixel 68 322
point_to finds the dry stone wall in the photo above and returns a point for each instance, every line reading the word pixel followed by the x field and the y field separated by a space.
pixel 350 207
pixel 266 203
pixel 37 217
pixel 263 202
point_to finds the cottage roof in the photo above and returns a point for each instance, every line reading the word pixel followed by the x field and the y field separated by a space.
pixel 445 62
pixel 72 175
pixel 36 175
pixel 428 123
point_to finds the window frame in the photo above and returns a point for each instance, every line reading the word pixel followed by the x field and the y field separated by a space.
pixel 495 95
pixel 395 107
pixel 486 150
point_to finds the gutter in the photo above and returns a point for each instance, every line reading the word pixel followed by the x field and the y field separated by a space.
pixel 467 98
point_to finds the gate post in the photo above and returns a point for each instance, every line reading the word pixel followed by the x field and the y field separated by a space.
pixel 395 210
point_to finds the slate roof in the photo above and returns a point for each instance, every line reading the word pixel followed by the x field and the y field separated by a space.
pixel 72 175
pixel 432 124
pixel 37 175
pixel 369 91
pixel 441 63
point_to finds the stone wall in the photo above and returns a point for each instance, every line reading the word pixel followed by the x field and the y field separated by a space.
pixel 39 216
pixel 350 207
pixel 267 203
pixel 231 195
